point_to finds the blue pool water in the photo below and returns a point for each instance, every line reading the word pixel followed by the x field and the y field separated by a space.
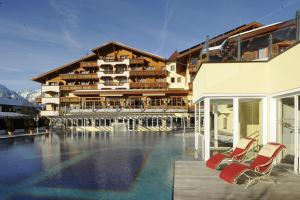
pixel 91 166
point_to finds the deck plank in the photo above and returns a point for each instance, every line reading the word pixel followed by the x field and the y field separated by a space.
pixel 192 180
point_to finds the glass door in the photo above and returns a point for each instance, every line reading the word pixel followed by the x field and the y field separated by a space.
pixel 286 130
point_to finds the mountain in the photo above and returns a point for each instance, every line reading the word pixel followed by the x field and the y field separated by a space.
pixel 30 95
pixel 10 97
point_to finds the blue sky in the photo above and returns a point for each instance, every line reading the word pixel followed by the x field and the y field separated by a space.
pixel 38 35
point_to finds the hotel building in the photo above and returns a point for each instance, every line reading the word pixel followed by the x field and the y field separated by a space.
pixel 252 89
pixel 118 84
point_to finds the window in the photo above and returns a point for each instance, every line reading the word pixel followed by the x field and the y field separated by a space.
pixel 224 123
pixel 172 67
pixel 178 79
pixel 172 80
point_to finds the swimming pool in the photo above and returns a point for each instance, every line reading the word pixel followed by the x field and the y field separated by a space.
pixel 91 166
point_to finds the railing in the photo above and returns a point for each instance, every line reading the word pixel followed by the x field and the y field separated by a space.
pixel 192 68
pixel 113 72
pixel 38 99
pixel 114 83
pixel 89 64
pixel 78 87
pixel 137 61
pixel 148 85
pixel 159 72
pixel 190 86
pixel 78 76
pixel 69 99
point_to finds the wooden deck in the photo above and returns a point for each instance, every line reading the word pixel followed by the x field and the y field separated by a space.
pixel 193 180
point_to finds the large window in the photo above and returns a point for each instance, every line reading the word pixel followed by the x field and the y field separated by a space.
pixel 250 119
pixel 221 111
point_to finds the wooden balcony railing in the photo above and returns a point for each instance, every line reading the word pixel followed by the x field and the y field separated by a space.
pixel 160 72
pixel 38 99
pixel 190 86
pixel 192 68
pixel 78 87
pixel 69 99
pixel 140 85
pixel 113 83
pixel 137 61
pixel 78 76
pixel 92 64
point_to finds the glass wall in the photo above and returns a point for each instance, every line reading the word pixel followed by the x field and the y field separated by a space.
pixel 250 119
pixel 285 133
pixel 221 123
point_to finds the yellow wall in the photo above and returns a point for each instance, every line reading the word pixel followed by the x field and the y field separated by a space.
pixel 279 74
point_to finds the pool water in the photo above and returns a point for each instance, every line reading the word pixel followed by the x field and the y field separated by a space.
pixel 89 165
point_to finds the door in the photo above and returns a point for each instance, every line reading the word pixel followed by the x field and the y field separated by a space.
pixel 286 132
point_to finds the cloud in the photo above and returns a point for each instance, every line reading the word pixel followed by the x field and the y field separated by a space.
pixel 68 20
pixel 19 30
pixel 10 69
pixel 168 15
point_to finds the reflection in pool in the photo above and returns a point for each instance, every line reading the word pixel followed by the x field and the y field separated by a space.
pixel 90 166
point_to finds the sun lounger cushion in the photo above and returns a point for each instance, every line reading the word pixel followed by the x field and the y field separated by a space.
pixel 230 172
pixel 216 159
pixel 243 143
pixel 268 150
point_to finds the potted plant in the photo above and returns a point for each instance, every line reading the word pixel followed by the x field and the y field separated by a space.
pixel 10 126
pixel 29 125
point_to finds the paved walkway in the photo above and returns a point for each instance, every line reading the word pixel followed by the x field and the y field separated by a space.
pixel 193 180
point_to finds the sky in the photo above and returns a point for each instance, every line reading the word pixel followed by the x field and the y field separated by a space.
pixel 39 35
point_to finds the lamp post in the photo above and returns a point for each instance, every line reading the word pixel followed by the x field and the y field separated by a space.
pixel 36 119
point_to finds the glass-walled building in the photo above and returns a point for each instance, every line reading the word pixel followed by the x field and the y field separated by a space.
pixel 251 99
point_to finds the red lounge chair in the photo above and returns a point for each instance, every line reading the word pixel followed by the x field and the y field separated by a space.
pixel 238 154
pixel 260 168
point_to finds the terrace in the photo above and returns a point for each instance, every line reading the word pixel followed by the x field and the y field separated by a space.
pixel 193 180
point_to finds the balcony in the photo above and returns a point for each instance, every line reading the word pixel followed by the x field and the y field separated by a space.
pixel 91 64
pixel 50 100
pixel 190 86
pixel 38 100
pixel 50 88
pixel 113 86
pixel 192 68
pixel 137 61
pixel 78 76
pixel 159 72
pixel 146 85
pixel 49 113
pixel 69 99
pixel 113 62
pixel 112 73
pixel 78 87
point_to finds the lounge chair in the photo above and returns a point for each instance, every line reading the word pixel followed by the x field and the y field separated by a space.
pixel 238 154
pixel 259 168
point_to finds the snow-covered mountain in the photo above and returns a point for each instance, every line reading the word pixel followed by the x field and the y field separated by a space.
pixel 10 97
pixel 30 95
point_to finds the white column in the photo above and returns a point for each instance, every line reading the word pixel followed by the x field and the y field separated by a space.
pixel 199 118
pixel 206 128
pixel 296 137
pixel 273 119
pixel 265 120
pixel 235 121
pixel 196 131
pixel 215 125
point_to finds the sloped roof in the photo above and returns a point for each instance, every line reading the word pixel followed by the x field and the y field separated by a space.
pixel 9 97
pixel 173 57
pixel 40 77
pixel 129 48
